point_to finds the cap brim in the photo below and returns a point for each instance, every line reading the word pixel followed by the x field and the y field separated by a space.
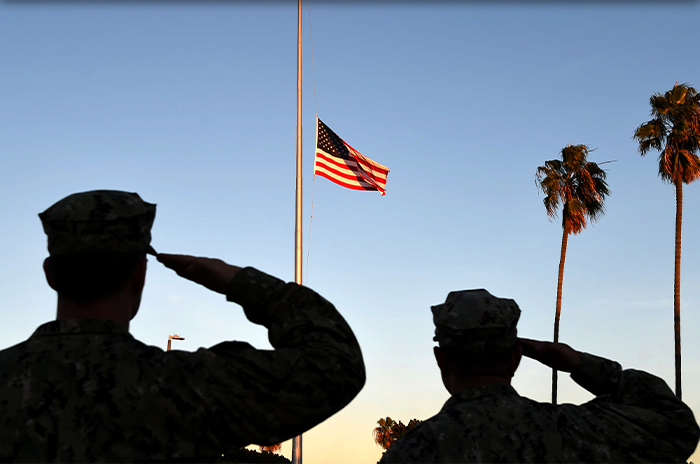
pixel 151 251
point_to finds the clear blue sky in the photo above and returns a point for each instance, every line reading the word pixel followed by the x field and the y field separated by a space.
pixel 193 106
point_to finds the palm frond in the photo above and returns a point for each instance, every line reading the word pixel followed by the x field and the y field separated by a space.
pixel 660 105
pixel 677 94
pixel 690 166
pixel 650 135
pixel 551 204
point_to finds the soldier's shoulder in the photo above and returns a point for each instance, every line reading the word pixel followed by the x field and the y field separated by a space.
pixel 416 445
pixel 14 349
pixel 9 357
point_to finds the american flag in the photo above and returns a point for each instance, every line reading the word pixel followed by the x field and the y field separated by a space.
pixel 340 163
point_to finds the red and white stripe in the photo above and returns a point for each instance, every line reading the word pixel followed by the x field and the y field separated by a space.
pixel 360 173
pixel 372 172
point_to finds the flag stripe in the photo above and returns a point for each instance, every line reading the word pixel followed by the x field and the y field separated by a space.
pixel 348 166
pixel 342 173
pixel 367 168
pixel 354 186
pixel 371 177
pixel 339 173
pixel 378 176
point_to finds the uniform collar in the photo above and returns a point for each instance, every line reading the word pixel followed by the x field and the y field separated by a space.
pixel 479 392
pixel 80 326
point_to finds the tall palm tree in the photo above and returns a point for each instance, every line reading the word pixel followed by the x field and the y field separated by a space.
pixel 675 132
pixel 579 186
pixel 383 434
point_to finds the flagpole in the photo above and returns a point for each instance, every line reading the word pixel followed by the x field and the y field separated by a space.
pixel 296 441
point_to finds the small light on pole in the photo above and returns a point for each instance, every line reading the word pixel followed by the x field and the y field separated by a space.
pixel 174 337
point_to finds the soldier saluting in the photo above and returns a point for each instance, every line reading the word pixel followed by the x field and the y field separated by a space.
pixel 635 416
pixel 81 388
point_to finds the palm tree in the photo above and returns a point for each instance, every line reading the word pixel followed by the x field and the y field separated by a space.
pixel 579 186
pixel 675 132
pixel 389 431
pixel 271 448
pixel 383 434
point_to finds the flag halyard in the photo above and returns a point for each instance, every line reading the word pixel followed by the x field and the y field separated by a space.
pixel 338 162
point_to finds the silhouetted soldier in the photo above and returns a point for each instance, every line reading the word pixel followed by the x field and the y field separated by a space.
pixel 82 389
pixel 635 416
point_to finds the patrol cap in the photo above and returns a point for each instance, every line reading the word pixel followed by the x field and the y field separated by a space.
pixel 99 221
pixel 476 322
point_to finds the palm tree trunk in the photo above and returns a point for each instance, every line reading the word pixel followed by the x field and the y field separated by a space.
pixel 564 240
pixel 677 283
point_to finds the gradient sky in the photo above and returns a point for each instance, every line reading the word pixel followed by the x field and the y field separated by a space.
pixel 194 107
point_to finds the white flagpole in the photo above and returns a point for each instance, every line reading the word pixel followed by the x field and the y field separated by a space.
pixel 296 441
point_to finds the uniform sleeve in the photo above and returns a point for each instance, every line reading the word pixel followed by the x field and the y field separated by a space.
pixel 268 396
pixel 416 445
pixel 643 417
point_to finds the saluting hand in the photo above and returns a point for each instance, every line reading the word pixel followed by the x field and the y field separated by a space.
pixel 558 356
pixel 212 273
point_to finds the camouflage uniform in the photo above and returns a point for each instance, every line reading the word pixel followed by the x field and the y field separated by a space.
pixel 86 390
pixel 635 417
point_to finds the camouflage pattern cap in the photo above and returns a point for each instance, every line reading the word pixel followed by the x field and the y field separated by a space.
pixel 476 322
pixel 99 221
